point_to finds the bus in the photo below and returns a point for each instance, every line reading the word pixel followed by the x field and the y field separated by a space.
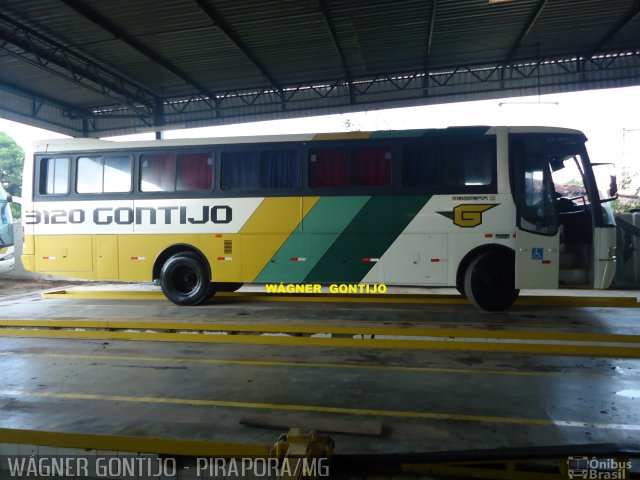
pixel 7 260
pixel 488 210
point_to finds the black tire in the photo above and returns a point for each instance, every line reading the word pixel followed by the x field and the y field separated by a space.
pixel 489 282
pixel 228 287
pixel 184 279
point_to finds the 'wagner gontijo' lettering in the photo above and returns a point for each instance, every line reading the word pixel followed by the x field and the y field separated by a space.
pixel 163 215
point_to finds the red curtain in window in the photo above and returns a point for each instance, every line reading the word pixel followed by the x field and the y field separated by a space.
pixel 330 168
pixel 371 167
pixel 195 171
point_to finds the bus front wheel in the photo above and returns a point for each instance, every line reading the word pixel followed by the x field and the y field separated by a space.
pixel 185 279
pixel 489 282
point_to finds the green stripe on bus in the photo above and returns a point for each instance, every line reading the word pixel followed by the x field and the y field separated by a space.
pixel 398 134
pixel 369 235
pixel 319 230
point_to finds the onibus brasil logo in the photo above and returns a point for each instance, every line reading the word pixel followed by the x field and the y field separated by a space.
pixel 598 468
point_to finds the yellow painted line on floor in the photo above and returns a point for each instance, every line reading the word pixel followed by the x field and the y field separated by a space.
pixel 106 294
pixel 259 297
pixel 266 363
pixel 516 325
pixel 126 443
pixel 321 409
pixel 479 345
pixel 259 328
pixel 532 300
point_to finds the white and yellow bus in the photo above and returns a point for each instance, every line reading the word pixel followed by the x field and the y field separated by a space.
pixel 489 210
pixel 7 260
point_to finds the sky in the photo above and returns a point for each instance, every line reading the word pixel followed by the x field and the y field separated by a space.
pixel 609 118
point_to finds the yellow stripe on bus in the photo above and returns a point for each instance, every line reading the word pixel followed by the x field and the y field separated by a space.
pixel 343 136
pixel 267 230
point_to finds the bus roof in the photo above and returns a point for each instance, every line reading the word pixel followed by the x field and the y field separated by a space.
pixel 82 144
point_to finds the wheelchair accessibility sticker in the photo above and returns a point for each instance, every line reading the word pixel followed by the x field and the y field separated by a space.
pixel 537 253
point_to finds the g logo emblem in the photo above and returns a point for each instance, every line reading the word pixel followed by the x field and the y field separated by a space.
pixel 469 215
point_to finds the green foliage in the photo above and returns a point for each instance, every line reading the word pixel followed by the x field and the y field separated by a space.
pixel 573 181
pixel 627 178
pixel 11 161
pixel 622 207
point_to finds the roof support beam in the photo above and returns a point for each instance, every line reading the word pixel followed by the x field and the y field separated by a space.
pixel 32 108
pixel 427 55
pixel 631 15
pixel 432 23
pixel 117 31
pixel 220 22
pixel 68 110
pixel 445 85
pixel 535 14
pixel 326 16
pixel 36 49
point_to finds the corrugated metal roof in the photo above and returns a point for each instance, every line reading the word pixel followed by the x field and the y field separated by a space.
pixel 238 54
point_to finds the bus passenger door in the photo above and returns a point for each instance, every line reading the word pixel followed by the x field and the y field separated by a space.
pixel 537 237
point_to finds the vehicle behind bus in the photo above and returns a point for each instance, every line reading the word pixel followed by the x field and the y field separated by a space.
pixel 488 210
pixel 6 232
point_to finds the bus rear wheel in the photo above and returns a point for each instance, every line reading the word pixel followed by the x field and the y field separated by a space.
pixel 489 282
pixel 185 279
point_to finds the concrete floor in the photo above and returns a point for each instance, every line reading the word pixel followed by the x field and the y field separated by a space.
pixel 425 400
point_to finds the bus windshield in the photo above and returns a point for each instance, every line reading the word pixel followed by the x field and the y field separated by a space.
pixel 6 227
pixel 577 187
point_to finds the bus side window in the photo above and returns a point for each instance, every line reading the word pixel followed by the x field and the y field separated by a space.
pixel 418 169
pixel 279 169
pixel 195 172
pixel 158 173
pixel 117 174
pixel 54 176
pixel 90 175
pixel 240 170
pixel 104 174
pixel 478 159
pixel 329 168
pixel 371 167
pixel 430 164
pixel 454 165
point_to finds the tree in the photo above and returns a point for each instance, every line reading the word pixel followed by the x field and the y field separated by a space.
pixel 11 161
pixel 626 184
